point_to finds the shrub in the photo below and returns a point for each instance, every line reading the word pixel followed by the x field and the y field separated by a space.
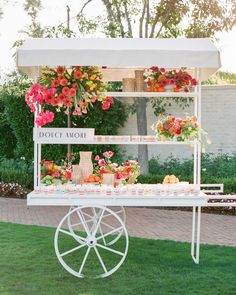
pixel 221 165
pixel 7 139
pixel 12 189
pixel 18 116
pixel 16 171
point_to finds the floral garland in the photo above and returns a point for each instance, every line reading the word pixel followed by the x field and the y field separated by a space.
pixel 160 80
pixel 71 90
pixel 171 128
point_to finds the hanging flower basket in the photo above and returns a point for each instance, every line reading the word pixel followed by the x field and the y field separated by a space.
pixel 73 91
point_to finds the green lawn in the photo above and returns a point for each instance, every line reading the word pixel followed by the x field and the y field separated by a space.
pixel 28 266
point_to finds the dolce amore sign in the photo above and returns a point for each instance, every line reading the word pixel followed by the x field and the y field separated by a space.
pixel 63 135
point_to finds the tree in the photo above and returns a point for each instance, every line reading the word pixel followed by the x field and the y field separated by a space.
pixel 32 7
pixel 153 19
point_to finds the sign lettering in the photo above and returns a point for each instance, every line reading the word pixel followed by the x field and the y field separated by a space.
pixel 63 135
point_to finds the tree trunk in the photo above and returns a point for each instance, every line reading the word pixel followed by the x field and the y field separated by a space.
pixel 141 114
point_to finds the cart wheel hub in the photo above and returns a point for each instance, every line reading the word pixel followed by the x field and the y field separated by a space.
pixel 91 241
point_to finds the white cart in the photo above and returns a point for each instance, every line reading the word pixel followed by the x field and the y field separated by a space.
pixel 90 224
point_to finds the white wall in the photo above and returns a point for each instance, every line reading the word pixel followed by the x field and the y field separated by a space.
pixel 218 119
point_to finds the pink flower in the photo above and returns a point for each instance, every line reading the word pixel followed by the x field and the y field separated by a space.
pixel 108 154
pixel 93 99
pixel 68 174
pixel 84 110
pixel 44 117
pixel 97 158
pixel 101 162
pixel 57 174
pixel 193 82
pixel 77 111
pixel 162 70
pixel 106 105
pixel 154 68
pixel 36 94
pixel 166 126
pixel 85 95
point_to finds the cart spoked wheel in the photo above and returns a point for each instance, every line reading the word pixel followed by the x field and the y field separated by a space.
pixel 86 251
pixel 119 210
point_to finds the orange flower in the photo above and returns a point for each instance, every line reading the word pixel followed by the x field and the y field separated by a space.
pixel 65 90
pixel 72 92
pixel 63 82
pixel 60 70
pixel 161 78
pixel 75 86
pixel 77 74
pixel 55 83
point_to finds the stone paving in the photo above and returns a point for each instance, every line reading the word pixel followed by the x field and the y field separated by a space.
pixel 141 222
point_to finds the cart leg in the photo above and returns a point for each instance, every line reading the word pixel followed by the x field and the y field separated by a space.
pixel 195 250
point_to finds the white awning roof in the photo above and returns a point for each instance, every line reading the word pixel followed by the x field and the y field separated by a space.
pixel 119 53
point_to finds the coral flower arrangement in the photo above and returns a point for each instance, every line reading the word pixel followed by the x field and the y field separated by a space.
pixel 72 90
pixel 160 80
pixel 127 172
pixel 171 128
pixel 53 174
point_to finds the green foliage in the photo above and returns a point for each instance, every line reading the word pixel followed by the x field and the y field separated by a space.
pixel 32 7
pixel 192 19
pixel 160 105
pixel 219 166
pixel 18 116
pixel 221 78
pixel 16 171
pixel 7 139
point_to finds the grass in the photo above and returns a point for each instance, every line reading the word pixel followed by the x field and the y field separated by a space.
pixel 28 266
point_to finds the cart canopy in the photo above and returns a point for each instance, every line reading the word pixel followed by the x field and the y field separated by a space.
pixel 119 54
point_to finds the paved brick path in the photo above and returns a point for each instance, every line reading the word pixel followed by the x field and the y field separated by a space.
pixel 141 222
